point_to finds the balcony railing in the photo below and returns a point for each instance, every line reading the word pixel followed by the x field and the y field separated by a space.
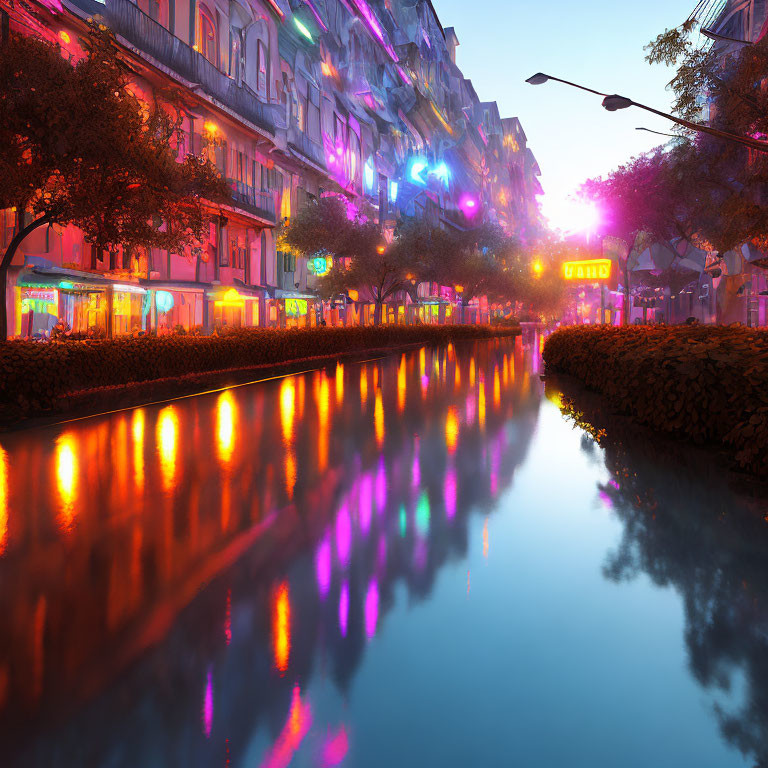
pixel 127 20
pixel 261 204
pixel 300 142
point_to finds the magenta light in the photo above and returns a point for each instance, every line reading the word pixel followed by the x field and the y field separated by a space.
pixel 335 747
pixel 374 26
pixel 208 704
pixel 343 535
pixel 381 487
pixel 404 75
pixel 366 502
pixel 469 205
pixel 344 608
pixel 371 609
pixel 323 566
pixel 415 468
pixel 381 554
pixel 449 493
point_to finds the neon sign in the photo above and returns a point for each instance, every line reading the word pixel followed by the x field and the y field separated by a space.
pixel 588 270
pixel 419 171
pixel 320 265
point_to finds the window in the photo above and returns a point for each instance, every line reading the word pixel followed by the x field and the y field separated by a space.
pixel 262 69
pixel 301 113
pixel 209 39
pixel 235 46
pixel 313 112
pixel 263 258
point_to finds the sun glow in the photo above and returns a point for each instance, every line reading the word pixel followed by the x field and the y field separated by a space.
pixel 572 216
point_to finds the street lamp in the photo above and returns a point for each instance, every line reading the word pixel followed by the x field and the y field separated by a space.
pixel 658 133
pixel 722 38
pixel 613 102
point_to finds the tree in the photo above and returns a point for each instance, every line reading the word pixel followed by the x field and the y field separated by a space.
pixel 733 178
pixel 363 262
pixel 80 148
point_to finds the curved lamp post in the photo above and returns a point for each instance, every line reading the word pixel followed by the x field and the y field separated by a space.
pixel 658 133
pixel 613 102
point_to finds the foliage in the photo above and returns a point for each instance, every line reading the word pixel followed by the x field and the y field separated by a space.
pixel 79 147
pixel 729 178
pixel 39 378
pixel 705 383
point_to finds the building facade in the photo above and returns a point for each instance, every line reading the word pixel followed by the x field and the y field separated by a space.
pixel 291 101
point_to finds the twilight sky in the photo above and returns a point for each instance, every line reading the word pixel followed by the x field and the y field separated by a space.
pixel 598 43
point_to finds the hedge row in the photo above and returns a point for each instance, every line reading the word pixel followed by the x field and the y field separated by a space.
pixel 35 376
pixel 706 383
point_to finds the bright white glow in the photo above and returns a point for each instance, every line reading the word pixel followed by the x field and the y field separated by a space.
pixel 418 166
pixel 573 216
pixel 393 191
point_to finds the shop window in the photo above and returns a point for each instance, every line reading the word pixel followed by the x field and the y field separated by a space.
pixel 209 37
pixel 289 262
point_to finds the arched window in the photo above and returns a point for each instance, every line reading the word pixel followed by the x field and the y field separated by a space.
pixel 257 59
pixel 209 36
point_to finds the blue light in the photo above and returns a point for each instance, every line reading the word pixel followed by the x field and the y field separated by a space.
pixel 393 191
pixel 369 175
pixel 442 172
pixel 164 301
pixel 416 171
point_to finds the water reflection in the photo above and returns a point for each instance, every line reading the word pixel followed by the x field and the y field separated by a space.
pixel 186 571
pixel 688 524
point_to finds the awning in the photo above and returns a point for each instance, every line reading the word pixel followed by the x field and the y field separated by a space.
pixel 281 294
pixel 73 279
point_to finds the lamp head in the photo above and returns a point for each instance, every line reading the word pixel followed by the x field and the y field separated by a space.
pixel 538 79
pixel 614 102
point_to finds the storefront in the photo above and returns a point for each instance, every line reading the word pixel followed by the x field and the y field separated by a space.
pixel 291 309
pixel 176 306
pixel 235 307
pixel 81 304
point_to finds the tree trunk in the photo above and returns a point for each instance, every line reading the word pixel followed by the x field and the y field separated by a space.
pixel 627 307
pixel 10 252
pixel 377 313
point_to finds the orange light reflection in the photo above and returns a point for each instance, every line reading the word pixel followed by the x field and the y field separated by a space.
pixel 339 383
pixel 281 627
pixel 378 419
pixel 287 408
pixel 167 440
pixel 225 426
pixel 66 479
pixel 137 432
pixel 452 429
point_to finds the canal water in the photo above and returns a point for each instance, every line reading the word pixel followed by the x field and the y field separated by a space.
pixel 409 561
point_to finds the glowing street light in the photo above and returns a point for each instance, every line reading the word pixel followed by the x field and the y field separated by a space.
pixel 613 102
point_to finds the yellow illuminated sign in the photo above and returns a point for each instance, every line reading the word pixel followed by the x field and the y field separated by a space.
pixel 591 269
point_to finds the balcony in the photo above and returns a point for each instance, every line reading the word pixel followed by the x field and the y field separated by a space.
pixel 148 36
pixel 246 198
pixel 301 143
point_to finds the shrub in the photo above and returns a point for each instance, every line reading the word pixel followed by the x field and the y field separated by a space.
pixel 706 383
pixel 36 375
